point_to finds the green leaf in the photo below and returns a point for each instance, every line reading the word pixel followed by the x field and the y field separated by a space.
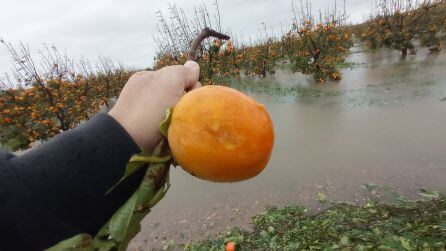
pixel 120 221
pixel 385 248
pixel 429 196
pixel 264 235
pixel 272 242
pixel 235 236
pixel 139 158
pixel 77 242
pixel 104 245
pixel 161 193
pixel 406 244
pixel 322 198
pixel 396 197
pixel 125 222
pixel 103 233
pixel 136 162
pixel 371 186
pixel 344 240
pixel 164 125
pixel 442 215
pixel 148 188
pixel 152 188
pixel 130 168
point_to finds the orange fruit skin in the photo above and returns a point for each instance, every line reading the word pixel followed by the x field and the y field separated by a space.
pixel 220 134
pixel 230 246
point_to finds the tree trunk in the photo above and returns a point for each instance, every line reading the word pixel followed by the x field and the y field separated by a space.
pixel 404 52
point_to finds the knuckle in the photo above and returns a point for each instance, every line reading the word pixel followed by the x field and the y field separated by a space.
pixel 142 75
pixel 175 73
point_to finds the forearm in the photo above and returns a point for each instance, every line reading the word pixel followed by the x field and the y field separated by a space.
pixel 69 176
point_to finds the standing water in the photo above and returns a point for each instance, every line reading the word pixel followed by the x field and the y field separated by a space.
pixel 383 123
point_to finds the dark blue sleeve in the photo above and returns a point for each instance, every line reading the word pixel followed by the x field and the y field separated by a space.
pixel 57 190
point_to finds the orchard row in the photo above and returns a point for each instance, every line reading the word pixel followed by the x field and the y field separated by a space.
pixel 57 94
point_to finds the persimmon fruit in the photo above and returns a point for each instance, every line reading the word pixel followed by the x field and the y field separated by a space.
pixel 230 246
pixel 220 134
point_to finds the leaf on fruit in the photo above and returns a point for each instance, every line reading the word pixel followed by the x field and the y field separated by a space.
pixel 164 125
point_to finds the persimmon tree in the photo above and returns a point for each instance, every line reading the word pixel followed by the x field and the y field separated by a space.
pixel 317 46
pixel 397 24
pixel 107 81
pixel 16 113
pixel 430 22
pixel 52 95
pixel 217 58
pixel 261 58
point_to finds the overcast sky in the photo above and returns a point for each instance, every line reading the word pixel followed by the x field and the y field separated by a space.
pixel 123 30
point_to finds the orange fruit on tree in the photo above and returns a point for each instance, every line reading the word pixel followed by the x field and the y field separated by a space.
pixel 220 134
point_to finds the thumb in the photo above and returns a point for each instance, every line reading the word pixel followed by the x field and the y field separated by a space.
pixel 193 76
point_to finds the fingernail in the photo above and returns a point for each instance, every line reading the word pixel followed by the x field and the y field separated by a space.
pixel 191 64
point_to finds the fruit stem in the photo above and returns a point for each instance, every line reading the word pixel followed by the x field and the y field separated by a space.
pixel 205 33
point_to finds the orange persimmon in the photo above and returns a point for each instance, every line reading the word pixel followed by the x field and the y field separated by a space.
pixel 220 134
pixel 230 246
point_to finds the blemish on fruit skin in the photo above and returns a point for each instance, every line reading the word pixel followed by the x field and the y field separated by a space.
pixel 229 140
pixel 214 125
pixel 230 145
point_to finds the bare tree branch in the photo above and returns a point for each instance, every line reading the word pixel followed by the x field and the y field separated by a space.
pixel 205 33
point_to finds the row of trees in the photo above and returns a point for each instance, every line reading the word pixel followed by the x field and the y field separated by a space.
pixel 57 93
pixel 314 46
pixel 400 24
pixel 53 96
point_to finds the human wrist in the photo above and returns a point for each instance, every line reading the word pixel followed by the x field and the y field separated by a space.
pixel 146 138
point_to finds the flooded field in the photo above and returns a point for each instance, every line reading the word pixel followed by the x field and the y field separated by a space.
pixel 383 123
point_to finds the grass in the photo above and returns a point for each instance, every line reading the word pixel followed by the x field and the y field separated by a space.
pixel 402 225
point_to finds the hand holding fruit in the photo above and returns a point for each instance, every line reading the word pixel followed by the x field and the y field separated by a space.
pixel 216 133
pixel 145 98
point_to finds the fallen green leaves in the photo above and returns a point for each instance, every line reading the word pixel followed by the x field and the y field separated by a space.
pixel 419 225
